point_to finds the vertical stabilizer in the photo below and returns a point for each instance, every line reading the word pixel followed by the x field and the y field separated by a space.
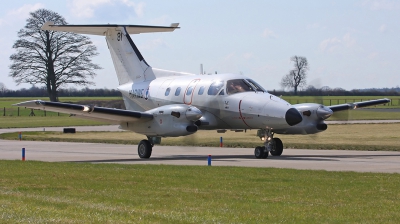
pixel 128 61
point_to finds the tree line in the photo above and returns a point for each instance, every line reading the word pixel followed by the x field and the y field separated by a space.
pixel 326 91
pixel 71 92
pixel 104 92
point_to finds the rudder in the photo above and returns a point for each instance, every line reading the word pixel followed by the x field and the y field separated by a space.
pixel 128 61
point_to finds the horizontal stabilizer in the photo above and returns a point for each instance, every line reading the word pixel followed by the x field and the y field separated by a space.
pixel 98 113
pixel 351 106
pixel 102 29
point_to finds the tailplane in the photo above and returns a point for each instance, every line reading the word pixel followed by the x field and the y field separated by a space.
pixel 129 63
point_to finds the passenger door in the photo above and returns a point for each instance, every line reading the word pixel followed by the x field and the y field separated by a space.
pixel 190 89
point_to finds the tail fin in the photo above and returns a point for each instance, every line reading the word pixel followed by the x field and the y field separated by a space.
pixel 129 63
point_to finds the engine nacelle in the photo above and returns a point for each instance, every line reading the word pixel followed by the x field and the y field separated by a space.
pixel 313 119
pixel 169 121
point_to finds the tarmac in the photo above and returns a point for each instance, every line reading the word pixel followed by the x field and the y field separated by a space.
pixel 329 160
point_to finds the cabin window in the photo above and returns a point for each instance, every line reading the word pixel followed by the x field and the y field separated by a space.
pixel 167 91
pixel 178 91
pixel 201 90
pixel 189 91
pixel 215 88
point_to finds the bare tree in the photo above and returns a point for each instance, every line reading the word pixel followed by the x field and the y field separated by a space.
pixel 3 87
pixel 51 58
pixel 297 76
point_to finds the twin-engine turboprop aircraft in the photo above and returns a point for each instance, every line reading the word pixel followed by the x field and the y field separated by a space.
pixel 162 103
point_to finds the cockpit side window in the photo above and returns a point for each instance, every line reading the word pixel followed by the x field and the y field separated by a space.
pixel 238 85
pixel 215 88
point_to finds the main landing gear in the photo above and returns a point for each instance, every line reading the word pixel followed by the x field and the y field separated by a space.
pixel 145 147
pixel 271 145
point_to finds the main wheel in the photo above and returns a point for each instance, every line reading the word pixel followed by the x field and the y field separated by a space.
pixel 259 152
pixel 144 149
pixel 277 149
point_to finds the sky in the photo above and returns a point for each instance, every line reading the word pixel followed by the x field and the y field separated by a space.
pixel 349 44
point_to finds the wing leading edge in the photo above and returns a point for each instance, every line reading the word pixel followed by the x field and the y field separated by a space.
pixel 351 106
pixel 87 111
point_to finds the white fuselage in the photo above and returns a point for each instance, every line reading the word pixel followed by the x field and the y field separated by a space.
pixel 221 109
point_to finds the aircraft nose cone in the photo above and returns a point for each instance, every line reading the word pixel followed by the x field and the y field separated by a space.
pixel 293 117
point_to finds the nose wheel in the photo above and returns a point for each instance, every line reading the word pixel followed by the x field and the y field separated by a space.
pixel 271 145
pixel 277 149
pixel 260 152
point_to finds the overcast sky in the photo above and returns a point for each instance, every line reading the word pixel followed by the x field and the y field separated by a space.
pixel 348 44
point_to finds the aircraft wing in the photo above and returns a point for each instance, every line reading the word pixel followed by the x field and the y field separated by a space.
pixel 351 106
pixel 111 115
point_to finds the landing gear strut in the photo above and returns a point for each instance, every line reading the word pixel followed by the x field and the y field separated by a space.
pixel 271 145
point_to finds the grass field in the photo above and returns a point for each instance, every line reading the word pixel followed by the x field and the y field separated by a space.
pixel 333 100
pixel 48 121
pixel 38 192
pixel 51 119
pixel 345 137
pixel 6 108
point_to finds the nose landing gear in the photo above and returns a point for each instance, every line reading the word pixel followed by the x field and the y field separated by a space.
pixel 271 145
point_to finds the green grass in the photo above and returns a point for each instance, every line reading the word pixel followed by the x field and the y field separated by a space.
pixel 40 121
pixel 61 120
pixel 8 101
pixel 52 119
pixel 333 100
pixel 365 115
pixel 369 137
pixel 40 192
pixel 8 110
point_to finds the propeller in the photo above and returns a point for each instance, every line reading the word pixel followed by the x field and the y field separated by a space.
pixel 319 99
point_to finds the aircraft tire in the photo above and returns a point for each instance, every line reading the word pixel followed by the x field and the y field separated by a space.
pixel 259 152
pixel 278 149
pixel 265 153
pixel 144 149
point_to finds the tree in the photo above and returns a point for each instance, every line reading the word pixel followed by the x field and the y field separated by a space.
pixel 51 58
pixel 3 87
pixel 297 76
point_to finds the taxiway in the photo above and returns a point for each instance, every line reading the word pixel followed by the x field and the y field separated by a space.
pixel 330 160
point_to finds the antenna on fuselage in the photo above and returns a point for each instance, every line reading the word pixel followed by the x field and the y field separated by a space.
pixel 201 69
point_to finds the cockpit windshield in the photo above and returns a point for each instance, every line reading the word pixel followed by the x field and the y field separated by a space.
pixel 242 85
pixel 256 85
